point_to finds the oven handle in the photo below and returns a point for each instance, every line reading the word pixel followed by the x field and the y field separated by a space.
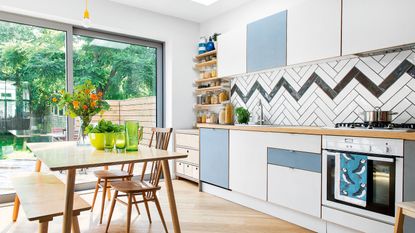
pixel 382 159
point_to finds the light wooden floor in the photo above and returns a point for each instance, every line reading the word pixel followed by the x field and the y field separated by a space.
pixel 198 212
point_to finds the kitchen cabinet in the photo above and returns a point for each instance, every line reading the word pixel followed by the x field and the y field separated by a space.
pixel 187 142
pixel 214 157
pixel 267 43
pixel 376 24
pixel 248 157
pixel 313 31
pixel 294 180
pixel 231 53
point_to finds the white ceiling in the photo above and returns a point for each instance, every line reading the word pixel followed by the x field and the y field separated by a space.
pixel 185 9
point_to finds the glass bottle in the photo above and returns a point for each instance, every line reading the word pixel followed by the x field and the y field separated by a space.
pixel 108 142
pixel 222 116
pixel 228 114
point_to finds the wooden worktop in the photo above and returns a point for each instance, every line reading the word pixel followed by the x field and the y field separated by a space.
pixel 317 131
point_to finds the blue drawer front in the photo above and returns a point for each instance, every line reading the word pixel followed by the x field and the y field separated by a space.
pixel 214 156
pixel 295 159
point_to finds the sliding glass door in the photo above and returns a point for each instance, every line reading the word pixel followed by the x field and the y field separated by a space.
pixel 32 68
pixel 39 58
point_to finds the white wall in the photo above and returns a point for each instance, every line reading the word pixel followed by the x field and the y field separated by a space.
pixel 180 37
pixel 245 14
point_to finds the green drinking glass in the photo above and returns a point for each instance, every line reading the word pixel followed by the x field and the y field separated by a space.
pixel 131 133
pixel 109 141
pixel 120 142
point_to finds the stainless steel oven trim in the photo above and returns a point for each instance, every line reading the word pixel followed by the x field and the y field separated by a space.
pixel 356 211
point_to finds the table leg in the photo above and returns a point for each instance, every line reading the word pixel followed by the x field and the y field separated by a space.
pixel 170 196
pixel 69 194
pixel 38 165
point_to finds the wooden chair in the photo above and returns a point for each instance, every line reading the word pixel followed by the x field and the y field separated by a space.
pixel 146 189
pixel 105 177
pixel 404 209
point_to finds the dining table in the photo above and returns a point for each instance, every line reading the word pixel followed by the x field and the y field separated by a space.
pixel 60 156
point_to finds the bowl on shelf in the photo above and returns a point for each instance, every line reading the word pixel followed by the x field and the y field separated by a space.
pixel 97 140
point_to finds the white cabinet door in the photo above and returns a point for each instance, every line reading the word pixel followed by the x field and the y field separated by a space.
pixel 248 157
pixel 313 31
pixel 232 52
pixel 295 189
pixel 376 24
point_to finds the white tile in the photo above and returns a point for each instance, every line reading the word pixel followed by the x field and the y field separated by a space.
pixel 395 88
pixel 342 116
pixel 368 72
pixel 328 69
pixel 345 102
pixel 346 69
pixel 293 74
pixel 308 93
pixel 328 111
pixel 402 118
pixel 396 99
pixel 401 106
pixel 307 74
pixel 292 101
pixel 411 97
pixel 310 119
pixel 303 70
pixel 291 81
pixel 289 108
pixel 367 95
pixel 378 57
pixel 372 63
pixel 411 84
pixel 411 110
pixel 307 104
pixel 353 117
pixel 325 77
pixel 387 58
pixel 321 113
pixel 326 99
pixel 363 103
pixel 395 63
pixel 307 113
pixel 289 116
pixel 411 58
pixel 346 90
pixel 332 64
pixel 341 64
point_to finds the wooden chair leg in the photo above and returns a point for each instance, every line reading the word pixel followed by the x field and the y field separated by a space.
pixel 16 208
pixel 136 205
pixel 156 200
pixel 43 226
pixel 129 208
pixel 399 218
pixel 75 225
pixel 146 205
pixel 109 191
pixel 95 194
pixel 104 192
pixel 114 200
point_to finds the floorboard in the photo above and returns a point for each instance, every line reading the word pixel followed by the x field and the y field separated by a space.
pixel 198 213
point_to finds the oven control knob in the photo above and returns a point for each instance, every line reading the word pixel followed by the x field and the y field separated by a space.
pixel 387 149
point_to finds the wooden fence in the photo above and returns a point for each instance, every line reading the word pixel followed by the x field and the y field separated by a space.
pixel 138 109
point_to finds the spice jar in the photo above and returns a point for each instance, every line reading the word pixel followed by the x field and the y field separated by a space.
pixel 213 72
pixel 208 73
pixel 199 99
pixel 223 96
pixel 203 117
pixel 228 114
pixel 222 116
pixel 199 117
pixel 214 99
pixel 208 98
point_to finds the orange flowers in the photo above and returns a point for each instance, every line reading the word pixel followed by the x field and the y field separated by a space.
pixel 93 104
pixel 94 97
pixel 54 99
pixel 87 91
pixel 85 107
pixel 100 94
pixel 75 104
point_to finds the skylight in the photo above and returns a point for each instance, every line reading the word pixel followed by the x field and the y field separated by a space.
pixel 205 2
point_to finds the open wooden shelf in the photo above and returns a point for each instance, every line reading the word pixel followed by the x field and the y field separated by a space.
pixel 212 88
pixel 204 64
pixel 207 106
pixel 211 79
pixel 210 53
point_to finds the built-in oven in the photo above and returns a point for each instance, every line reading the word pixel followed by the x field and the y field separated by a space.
pixel 384 175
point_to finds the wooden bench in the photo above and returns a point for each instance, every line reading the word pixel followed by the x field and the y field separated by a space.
pixel 42 198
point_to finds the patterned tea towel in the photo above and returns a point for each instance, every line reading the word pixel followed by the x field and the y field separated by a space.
pixel 351 178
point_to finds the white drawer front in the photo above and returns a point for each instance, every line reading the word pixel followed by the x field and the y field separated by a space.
pixel 179 167
pixel 195 172
pixel 296 189
pixel 188 140
pixel 193 155
pixel 188 170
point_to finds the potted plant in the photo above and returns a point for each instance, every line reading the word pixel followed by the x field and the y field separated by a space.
pixel 242 115
pixel 85 102
pixel 96 133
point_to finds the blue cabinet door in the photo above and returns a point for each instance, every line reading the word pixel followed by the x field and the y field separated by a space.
pixel 214 157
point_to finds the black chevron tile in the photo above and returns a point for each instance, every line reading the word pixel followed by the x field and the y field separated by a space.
pixel 354 73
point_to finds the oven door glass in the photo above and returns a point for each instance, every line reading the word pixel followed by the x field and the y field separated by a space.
pixel 380 184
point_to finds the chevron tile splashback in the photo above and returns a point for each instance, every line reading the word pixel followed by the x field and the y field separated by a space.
pixel 331 92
